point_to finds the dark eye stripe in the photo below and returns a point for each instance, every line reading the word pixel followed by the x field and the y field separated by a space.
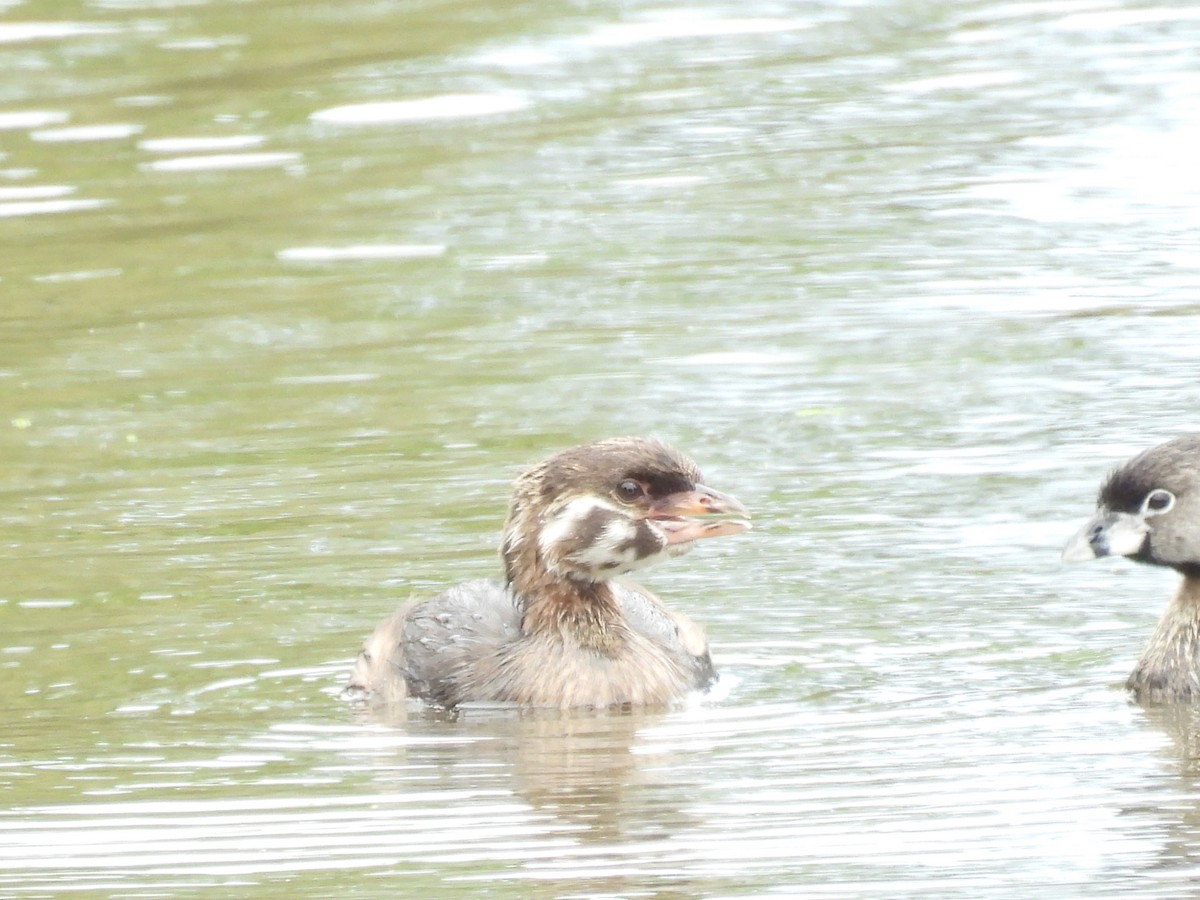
pixel 630 489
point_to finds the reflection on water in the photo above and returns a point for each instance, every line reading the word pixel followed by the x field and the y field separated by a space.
pixel 287 308
pixel 446 106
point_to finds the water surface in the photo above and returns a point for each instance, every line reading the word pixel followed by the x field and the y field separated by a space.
pixel 293 291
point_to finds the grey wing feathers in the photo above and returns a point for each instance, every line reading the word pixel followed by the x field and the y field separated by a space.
pixel 423 647
pixel 445 637
pixel 674 631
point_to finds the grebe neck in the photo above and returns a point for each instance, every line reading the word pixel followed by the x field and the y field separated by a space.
pixel 585 613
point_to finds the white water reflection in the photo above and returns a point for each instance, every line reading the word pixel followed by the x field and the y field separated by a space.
pixel 962 81
pixel 679 24
pixel 34 192
pixel 18 208
pixel 201 143
pixel 222 161
pixel 19 32
pixel 1094 20
pixel 362 252
pixel 649 28
pixel 14 120
pixel 84 133
pixel 424 109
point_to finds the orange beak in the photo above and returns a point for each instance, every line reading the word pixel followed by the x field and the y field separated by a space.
pixel 673 514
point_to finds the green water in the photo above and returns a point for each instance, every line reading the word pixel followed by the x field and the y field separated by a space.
pixel 906 280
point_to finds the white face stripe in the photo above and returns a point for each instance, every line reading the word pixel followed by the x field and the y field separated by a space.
pixel 575 540
pixel 618 531
pixel 567 521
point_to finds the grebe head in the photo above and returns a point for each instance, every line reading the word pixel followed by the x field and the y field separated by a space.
pixel 1148 509
pixel 603 509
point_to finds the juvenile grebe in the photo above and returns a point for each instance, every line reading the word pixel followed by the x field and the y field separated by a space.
pixel 1149 510
pixel 559 631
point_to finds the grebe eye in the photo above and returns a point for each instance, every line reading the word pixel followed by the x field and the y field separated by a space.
pixel 629 489
pixel 1158 501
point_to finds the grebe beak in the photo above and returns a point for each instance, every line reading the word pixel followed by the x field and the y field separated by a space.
pixel 1107 534
pixel 673 515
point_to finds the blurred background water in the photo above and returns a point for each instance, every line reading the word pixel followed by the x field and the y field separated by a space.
pixel 292 291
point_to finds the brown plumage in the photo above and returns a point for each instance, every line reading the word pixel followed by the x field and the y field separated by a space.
pixel 560 631
pixel 1149 510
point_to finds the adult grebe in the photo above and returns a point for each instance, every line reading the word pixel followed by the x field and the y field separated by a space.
pixel 1149 510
